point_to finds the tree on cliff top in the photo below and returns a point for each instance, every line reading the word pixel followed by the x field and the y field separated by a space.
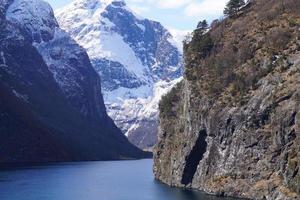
pixel 202 26
pixel 233 6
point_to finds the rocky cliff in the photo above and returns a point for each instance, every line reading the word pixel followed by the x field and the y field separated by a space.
pixel 232 126
pixel 137 59
pixel 51 107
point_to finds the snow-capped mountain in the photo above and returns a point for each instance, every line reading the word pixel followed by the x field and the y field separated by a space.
pixel 137 59
pixel 51 106
pixel 66 59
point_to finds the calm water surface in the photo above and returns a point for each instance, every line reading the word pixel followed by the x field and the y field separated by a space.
pixel 119 180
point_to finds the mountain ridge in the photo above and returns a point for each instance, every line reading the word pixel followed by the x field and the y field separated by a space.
pixel 133 55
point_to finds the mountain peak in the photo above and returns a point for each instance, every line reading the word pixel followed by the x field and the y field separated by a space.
pixel 134 56
pixel 119 3
pixel 94 4
pixel 89 10
pixel 36 16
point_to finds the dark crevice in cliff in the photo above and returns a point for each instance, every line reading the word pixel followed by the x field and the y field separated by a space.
pixel 194 158
pixel 293 119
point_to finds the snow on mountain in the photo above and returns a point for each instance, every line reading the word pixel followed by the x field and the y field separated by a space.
pixel 39 25
pixel 138 61
pixel 67 61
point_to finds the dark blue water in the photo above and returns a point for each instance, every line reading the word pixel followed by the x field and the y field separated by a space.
pixel 119 180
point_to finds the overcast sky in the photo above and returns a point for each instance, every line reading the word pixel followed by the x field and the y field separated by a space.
pixel 174 14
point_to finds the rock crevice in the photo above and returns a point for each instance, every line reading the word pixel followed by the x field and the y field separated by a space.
pixel 194 158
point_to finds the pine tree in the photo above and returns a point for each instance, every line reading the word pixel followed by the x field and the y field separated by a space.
pixel 202 26
pixel 233 6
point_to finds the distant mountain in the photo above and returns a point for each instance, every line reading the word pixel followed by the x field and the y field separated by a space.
pixel 51 107
pixel 137 59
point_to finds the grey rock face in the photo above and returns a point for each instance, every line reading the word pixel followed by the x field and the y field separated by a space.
pixel 249 151
pixel 114 75
pixel 243 147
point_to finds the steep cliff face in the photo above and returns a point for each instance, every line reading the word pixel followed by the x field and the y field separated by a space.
pixel 51 107
pixel 136 58
pixel 232 126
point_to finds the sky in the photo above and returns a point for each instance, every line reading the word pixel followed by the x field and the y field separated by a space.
pixel 176 15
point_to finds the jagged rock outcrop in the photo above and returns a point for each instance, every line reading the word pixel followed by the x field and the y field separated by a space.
pixel 137 59
pixel 232 126
pixel 51 107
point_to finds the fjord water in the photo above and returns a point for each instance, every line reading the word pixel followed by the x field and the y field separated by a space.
pixel 118 180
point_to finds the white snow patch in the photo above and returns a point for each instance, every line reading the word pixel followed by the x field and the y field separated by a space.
pixel 122 94
pixel 20 96
pixel 111 46
pixel 3 60
pixel 141 26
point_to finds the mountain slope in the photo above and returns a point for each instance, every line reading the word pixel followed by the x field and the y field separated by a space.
pixel 135 57
pixel 232 126
pixel 51 104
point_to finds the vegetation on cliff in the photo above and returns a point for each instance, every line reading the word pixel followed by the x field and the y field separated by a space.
pixel 229 56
